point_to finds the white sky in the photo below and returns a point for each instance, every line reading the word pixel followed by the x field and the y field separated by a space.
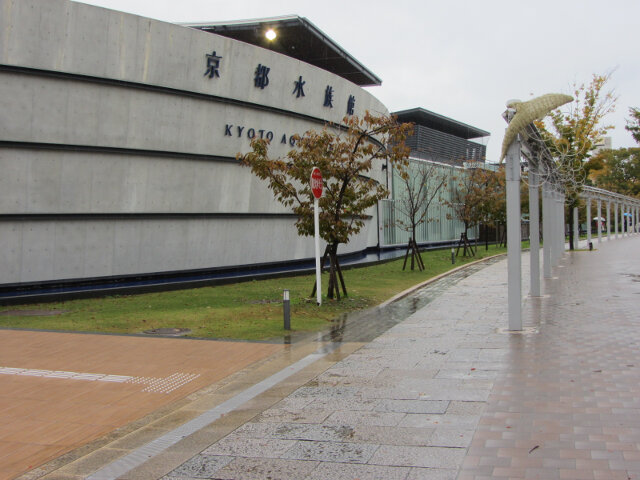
pixel 460 58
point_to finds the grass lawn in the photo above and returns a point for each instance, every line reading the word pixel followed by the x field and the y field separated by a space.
pixel 248 310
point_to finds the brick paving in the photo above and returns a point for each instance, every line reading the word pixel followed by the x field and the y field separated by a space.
pixel 59 391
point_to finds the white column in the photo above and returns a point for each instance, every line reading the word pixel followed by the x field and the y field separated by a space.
pixel 534 234
pixel 564 224
pixel 557 230
pixel 608 220
pixel 616 207
pixel 554 227
pixel 547 230
pixel 514 260
pixel 625 230
pixel 576 228
pixel 561 225
pixel 598 226
pixel 588 221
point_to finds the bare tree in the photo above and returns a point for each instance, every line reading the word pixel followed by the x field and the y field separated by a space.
pixel 421 184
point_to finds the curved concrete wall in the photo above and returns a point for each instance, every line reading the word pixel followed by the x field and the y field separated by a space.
pixel 117 153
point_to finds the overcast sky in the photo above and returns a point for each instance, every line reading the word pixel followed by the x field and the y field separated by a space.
pixel 460 58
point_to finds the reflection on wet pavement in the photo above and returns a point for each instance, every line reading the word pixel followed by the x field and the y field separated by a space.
pixel 365 325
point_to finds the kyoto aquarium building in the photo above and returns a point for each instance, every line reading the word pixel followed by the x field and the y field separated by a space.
pixel 118 138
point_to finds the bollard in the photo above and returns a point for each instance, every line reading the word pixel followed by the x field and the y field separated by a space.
pixel 287 310
pixel 453 257
pixel 590 246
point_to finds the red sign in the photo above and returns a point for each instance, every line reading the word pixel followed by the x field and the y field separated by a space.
pixel 316 182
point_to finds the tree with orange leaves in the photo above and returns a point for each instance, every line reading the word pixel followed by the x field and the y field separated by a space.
pixel 345 154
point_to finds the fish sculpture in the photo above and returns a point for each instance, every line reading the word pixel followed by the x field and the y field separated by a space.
pixel 529 111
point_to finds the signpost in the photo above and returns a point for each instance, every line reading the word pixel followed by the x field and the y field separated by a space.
pixel 316 189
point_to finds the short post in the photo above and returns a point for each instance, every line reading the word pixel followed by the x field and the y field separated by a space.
pixel 453 256
pixel 286 306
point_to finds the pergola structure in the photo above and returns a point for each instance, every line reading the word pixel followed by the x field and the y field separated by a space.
pixel 544 175
pixel 627 207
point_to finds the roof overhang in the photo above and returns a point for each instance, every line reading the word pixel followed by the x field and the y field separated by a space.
pixel 296 37
pixel 423 117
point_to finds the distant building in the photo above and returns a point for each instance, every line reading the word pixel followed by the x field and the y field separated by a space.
pixel 442 139
pixel 603 143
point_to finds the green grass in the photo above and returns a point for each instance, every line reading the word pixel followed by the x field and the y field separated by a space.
pixel 248 310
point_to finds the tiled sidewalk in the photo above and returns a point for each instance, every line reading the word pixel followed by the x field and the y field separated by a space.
pixel 449 394
pixel 59 391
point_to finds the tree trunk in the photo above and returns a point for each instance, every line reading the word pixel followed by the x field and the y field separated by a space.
pixel 464 243
pixel 335 274
pixel 486 236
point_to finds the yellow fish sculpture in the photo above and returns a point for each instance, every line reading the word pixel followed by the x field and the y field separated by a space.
pixel 529 111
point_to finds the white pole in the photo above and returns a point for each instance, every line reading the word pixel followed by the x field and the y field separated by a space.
pixel 563 229
pixel 608 220
pixel 547 231
pixel 576 228
pixel 316 235
pixel 553 208
pixel 598 223
pixel 534 233
pixel 558 225
pixel 514 260
pixel 588 222
pixel 615 214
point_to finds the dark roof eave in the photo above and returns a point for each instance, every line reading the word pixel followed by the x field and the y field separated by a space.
pixel 421 116
pixel 358 74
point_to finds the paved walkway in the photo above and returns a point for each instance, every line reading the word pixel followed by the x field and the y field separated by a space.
pixel 60 391
pixel 446 394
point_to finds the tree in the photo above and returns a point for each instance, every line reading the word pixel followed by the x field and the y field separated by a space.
pixel 633 124
pixel 467 202
pixel 421 182
pixel 344 154
pixel 571 135
pixel 492 198
pixel 619 171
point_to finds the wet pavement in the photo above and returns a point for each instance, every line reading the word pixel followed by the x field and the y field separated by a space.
pixel 446 393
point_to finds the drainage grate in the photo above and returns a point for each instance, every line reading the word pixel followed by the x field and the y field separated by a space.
pixel 168 332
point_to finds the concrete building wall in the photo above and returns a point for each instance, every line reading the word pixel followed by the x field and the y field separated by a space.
pixel 118 154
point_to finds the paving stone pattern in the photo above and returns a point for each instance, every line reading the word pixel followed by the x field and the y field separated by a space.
pixel 448 394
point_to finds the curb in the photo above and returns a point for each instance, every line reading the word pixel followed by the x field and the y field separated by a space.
pixel 435 279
